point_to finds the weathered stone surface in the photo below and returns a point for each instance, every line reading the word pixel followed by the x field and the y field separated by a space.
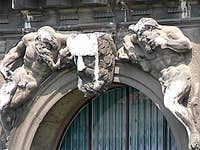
pixel 44 52
pixel 95 60
pixel 161 51
pixel 39 52
pixel 169 56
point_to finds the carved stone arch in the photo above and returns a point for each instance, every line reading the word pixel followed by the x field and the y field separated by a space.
pixel 57 102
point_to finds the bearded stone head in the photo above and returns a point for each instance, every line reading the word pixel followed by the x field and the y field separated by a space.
pixel 45 38
pixel 143 24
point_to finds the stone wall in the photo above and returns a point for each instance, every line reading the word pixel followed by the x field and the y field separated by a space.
pixel 91 15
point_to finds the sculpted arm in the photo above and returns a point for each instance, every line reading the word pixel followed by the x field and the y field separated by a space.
pixel 14 53
pixel 172 38
pixel 129 41
pixel 64 57
pixel 62 39
pixel 10 58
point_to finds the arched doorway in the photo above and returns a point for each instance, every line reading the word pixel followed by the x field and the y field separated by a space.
pixel 58 100
pixel 120 119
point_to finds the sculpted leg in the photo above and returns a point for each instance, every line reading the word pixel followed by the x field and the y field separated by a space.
pixel 6 93
pixel 172 97
pixel 22 93
pixel 12 94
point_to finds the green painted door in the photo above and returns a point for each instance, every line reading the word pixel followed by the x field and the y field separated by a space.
pixel 120 119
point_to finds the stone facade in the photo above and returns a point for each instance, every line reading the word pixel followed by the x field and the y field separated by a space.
pixel 112 17
pixel 91 15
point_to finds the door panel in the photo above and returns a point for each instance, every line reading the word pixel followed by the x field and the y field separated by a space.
pixel 76 137
pixel 108 121
pixel 119 119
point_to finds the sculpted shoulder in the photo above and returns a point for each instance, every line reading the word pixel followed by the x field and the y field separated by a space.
pixel 173 32
pixel 28 38
pixel 61 38
pixel 170 28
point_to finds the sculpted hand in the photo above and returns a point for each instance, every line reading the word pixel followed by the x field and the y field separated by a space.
pixel 157 41
pixel 132 55
pixel 22 84
pixel 48 60
pixel 6 72
pixel 145 39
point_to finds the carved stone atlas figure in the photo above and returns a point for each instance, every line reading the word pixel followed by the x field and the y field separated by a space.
pixel 45 51
pixel 38 51
pixel 166 53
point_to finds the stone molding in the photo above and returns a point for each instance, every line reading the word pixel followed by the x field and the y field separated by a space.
pixel 28 136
